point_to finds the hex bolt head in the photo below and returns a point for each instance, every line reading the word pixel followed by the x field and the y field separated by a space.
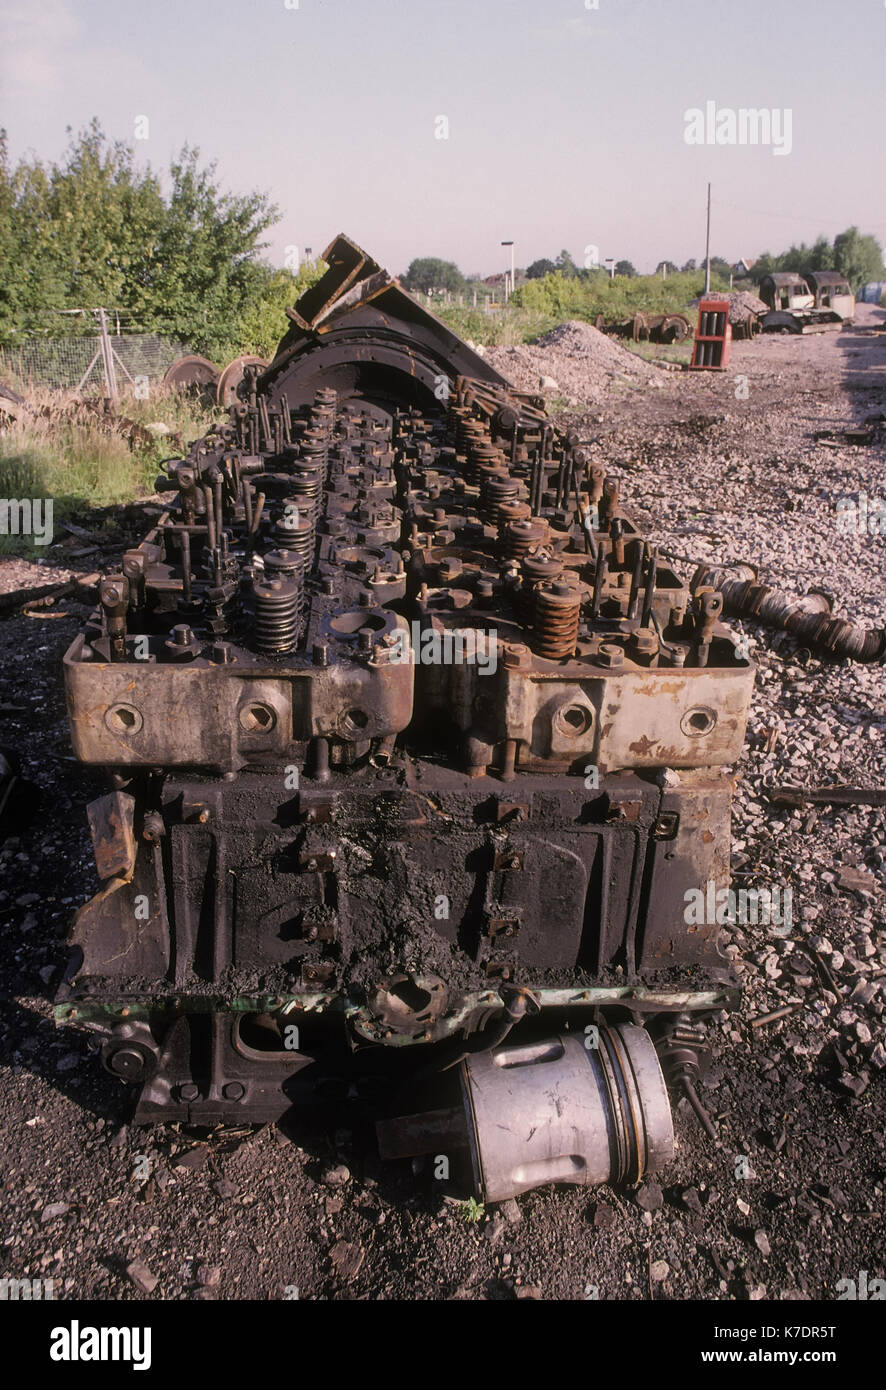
pixel 189 1091
pixel 610 655
pixel 516 655
pixel 234 1090
pixel 645 641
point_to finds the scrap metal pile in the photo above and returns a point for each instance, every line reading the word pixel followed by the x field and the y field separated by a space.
pixel 415 746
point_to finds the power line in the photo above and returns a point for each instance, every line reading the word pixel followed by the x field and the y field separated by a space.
pixel 780 216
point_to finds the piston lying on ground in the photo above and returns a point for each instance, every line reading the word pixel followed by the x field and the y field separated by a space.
pixel 415 746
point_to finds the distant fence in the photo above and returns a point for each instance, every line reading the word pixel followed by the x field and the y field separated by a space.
pixel 71 363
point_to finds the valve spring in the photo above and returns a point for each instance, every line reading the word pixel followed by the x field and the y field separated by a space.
pixel 509 512
pixel 289 565
pixel 537 567
pixel 467 426
pixel 523 535
pixel 307 486
pixel 314 445
pixel 496 488
pixel 284 564
pixel 456 416
pixel 484 458
pixel 470 437
pixel 324 408
pixel 299 538
pixel 277 605
pixel 557 612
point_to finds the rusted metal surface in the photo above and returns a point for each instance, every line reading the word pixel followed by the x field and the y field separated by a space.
pixel 189 372
pixel 232 377
pixel 404 714
pixel 808 619
pixel 827 796
pixel 646 327
pixel 796 306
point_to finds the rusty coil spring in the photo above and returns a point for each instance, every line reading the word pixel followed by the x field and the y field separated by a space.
pixel 509 512
pixel 537 567
pixel 557 612
pixel 290 565
pixel 314 447
pixel 521 536
pixel 323 409
pixel 496 486
pixel 277 606
pixel 482 456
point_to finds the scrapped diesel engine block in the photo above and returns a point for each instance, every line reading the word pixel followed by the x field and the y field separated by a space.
pixel 417 752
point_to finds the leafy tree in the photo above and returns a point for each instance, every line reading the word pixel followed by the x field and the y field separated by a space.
pixel 204 272
pixel 539 268
pixel 859 258
pixel 430 273
pixel 96 229
pixel 565 264
pixel 77 234
pixel 690 265
pixel 625 268
pixel 263 320
pixel 719 266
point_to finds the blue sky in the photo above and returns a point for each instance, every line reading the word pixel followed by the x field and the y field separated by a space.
pixel 566 124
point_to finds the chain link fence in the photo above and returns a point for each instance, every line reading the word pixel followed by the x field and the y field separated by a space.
pixel 76 363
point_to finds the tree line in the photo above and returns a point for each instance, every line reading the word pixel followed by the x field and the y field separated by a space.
pixel 96 229
pixel 858 257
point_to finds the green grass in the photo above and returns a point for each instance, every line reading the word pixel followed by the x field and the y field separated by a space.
pixel 539 305
pixel 472 1210
pixel 83 463
pixel 504 327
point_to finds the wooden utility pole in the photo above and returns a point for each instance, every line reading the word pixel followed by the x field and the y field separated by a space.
pixel 707 249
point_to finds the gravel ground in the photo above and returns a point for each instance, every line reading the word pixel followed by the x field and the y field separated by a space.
pixel 789 1200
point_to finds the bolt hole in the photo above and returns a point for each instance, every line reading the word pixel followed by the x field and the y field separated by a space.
pixel 123 719
pixel 698 721
pixel 574 720
pixel 257 718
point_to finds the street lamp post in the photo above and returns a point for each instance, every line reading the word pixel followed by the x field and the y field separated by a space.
pixel 511 244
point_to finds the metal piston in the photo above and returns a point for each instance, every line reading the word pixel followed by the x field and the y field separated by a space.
pixel 563 1111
